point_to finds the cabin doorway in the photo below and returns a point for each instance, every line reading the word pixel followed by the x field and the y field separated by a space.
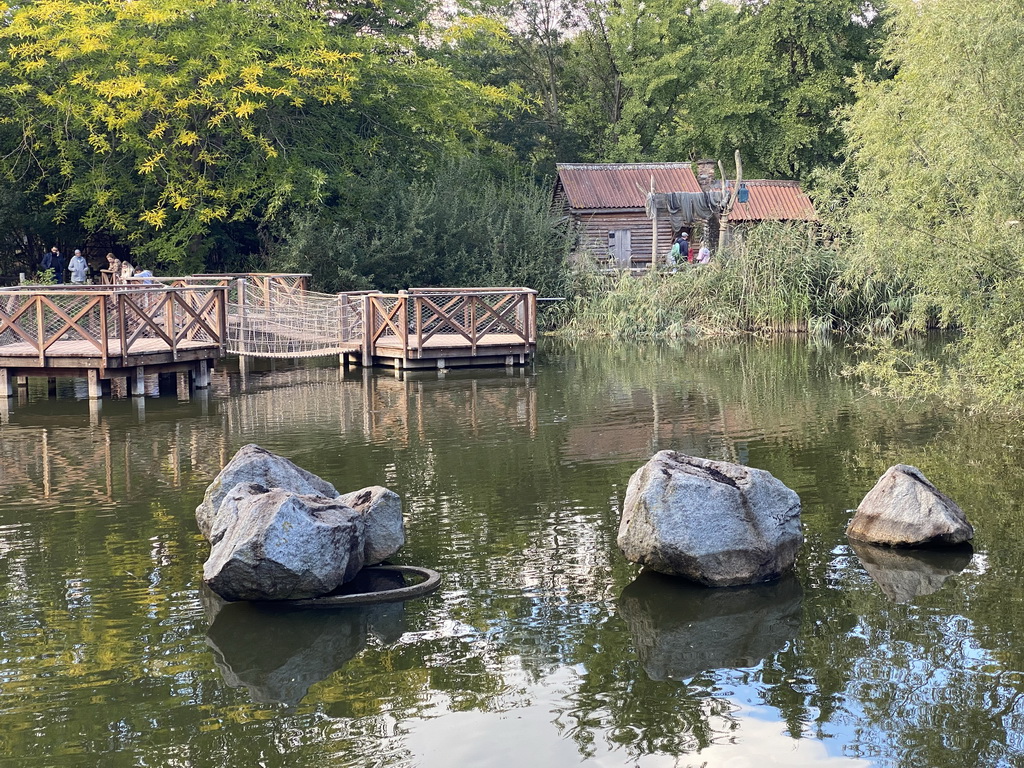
pixel 620 247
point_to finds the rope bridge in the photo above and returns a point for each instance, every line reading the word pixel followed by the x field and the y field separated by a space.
pixel 268 320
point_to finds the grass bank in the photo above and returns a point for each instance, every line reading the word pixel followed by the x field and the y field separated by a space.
pixel 774 281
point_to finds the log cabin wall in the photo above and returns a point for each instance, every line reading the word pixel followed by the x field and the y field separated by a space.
pixel 596 225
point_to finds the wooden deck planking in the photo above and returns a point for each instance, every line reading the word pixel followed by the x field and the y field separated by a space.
pixel 452 341
pixel 85 349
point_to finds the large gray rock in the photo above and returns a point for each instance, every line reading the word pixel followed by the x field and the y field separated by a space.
pixel 681 629
pixel 905 510
pixel 253 464
pixel 713 522
pixel 272 544
pixel 384 525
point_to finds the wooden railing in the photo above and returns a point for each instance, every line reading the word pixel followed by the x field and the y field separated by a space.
pixel 263 289
pixel 465 317
pixel 110 322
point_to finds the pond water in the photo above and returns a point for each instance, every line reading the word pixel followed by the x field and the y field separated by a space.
pixel 543 647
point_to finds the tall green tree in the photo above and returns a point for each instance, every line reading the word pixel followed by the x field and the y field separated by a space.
pixel 704 78
pixel 159 120
pixel 940 172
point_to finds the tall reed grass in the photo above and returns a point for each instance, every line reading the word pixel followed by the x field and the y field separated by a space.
pixel 774 280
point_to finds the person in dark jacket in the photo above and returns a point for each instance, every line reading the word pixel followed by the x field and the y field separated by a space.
pixel 683 241
pixel 53 260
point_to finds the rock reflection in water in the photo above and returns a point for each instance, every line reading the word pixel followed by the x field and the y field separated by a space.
pixel 278 652
pixel 681 629
pixel 904 574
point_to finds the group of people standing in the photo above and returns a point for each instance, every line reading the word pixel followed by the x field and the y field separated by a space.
pixel 682 251
pixel 77 268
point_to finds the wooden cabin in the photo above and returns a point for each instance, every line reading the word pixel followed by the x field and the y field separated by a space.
pixel 607 201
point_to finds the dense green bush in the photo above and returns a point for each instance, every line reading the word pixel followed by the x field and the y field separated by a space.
pixel 469 224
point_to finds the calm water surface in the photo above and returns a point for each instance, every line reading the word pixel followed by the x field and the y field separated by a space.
pixel 544 648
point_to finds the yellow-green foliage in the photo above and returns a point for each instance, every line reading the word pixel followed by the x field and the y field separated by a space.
pixel 153 119
pixel 937 154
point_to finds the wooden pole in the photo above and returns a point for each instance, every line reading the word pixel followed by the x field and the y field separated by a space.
pixel 139 382
pixel 723 237
pixel 654 233
pixel 367 340
pixel 201 379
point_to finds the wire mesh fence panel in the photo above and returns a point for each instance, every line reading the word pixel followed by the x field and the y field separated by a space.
pixel 18 321
pixel 71 318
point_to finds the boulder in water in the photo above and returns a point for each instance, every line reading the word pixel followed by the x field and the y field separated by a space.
pixel 280 545
pixel 713 522
pixel 253 464
pixel 384 525
pixel 905 510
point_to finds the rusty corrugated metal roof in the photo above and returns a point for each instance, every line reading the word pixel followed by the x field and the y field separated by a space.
pixel 621 185
pixel 774 201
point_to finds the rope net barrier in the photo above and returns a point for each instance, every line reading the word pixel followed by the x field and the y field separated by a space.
pixel 265 320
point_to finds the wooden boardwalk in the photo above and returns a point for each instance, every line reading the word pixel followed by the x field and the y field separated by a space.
pixel 105 332
pixel 184 324
pixel 446 328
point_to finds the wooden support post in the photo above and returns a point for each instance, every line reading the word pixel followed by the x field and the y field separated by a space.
pixel 95 389
pixel 21 381
pixel 51 387
pixel 367 333
pixel 654 233
pixel 201 375
pixel 6 390
pixel 139 382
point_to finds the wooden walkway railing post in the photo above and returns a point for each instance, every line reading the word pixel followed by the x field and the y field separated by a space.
pixel 368 328
pixel 403 316
pixel 41 326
